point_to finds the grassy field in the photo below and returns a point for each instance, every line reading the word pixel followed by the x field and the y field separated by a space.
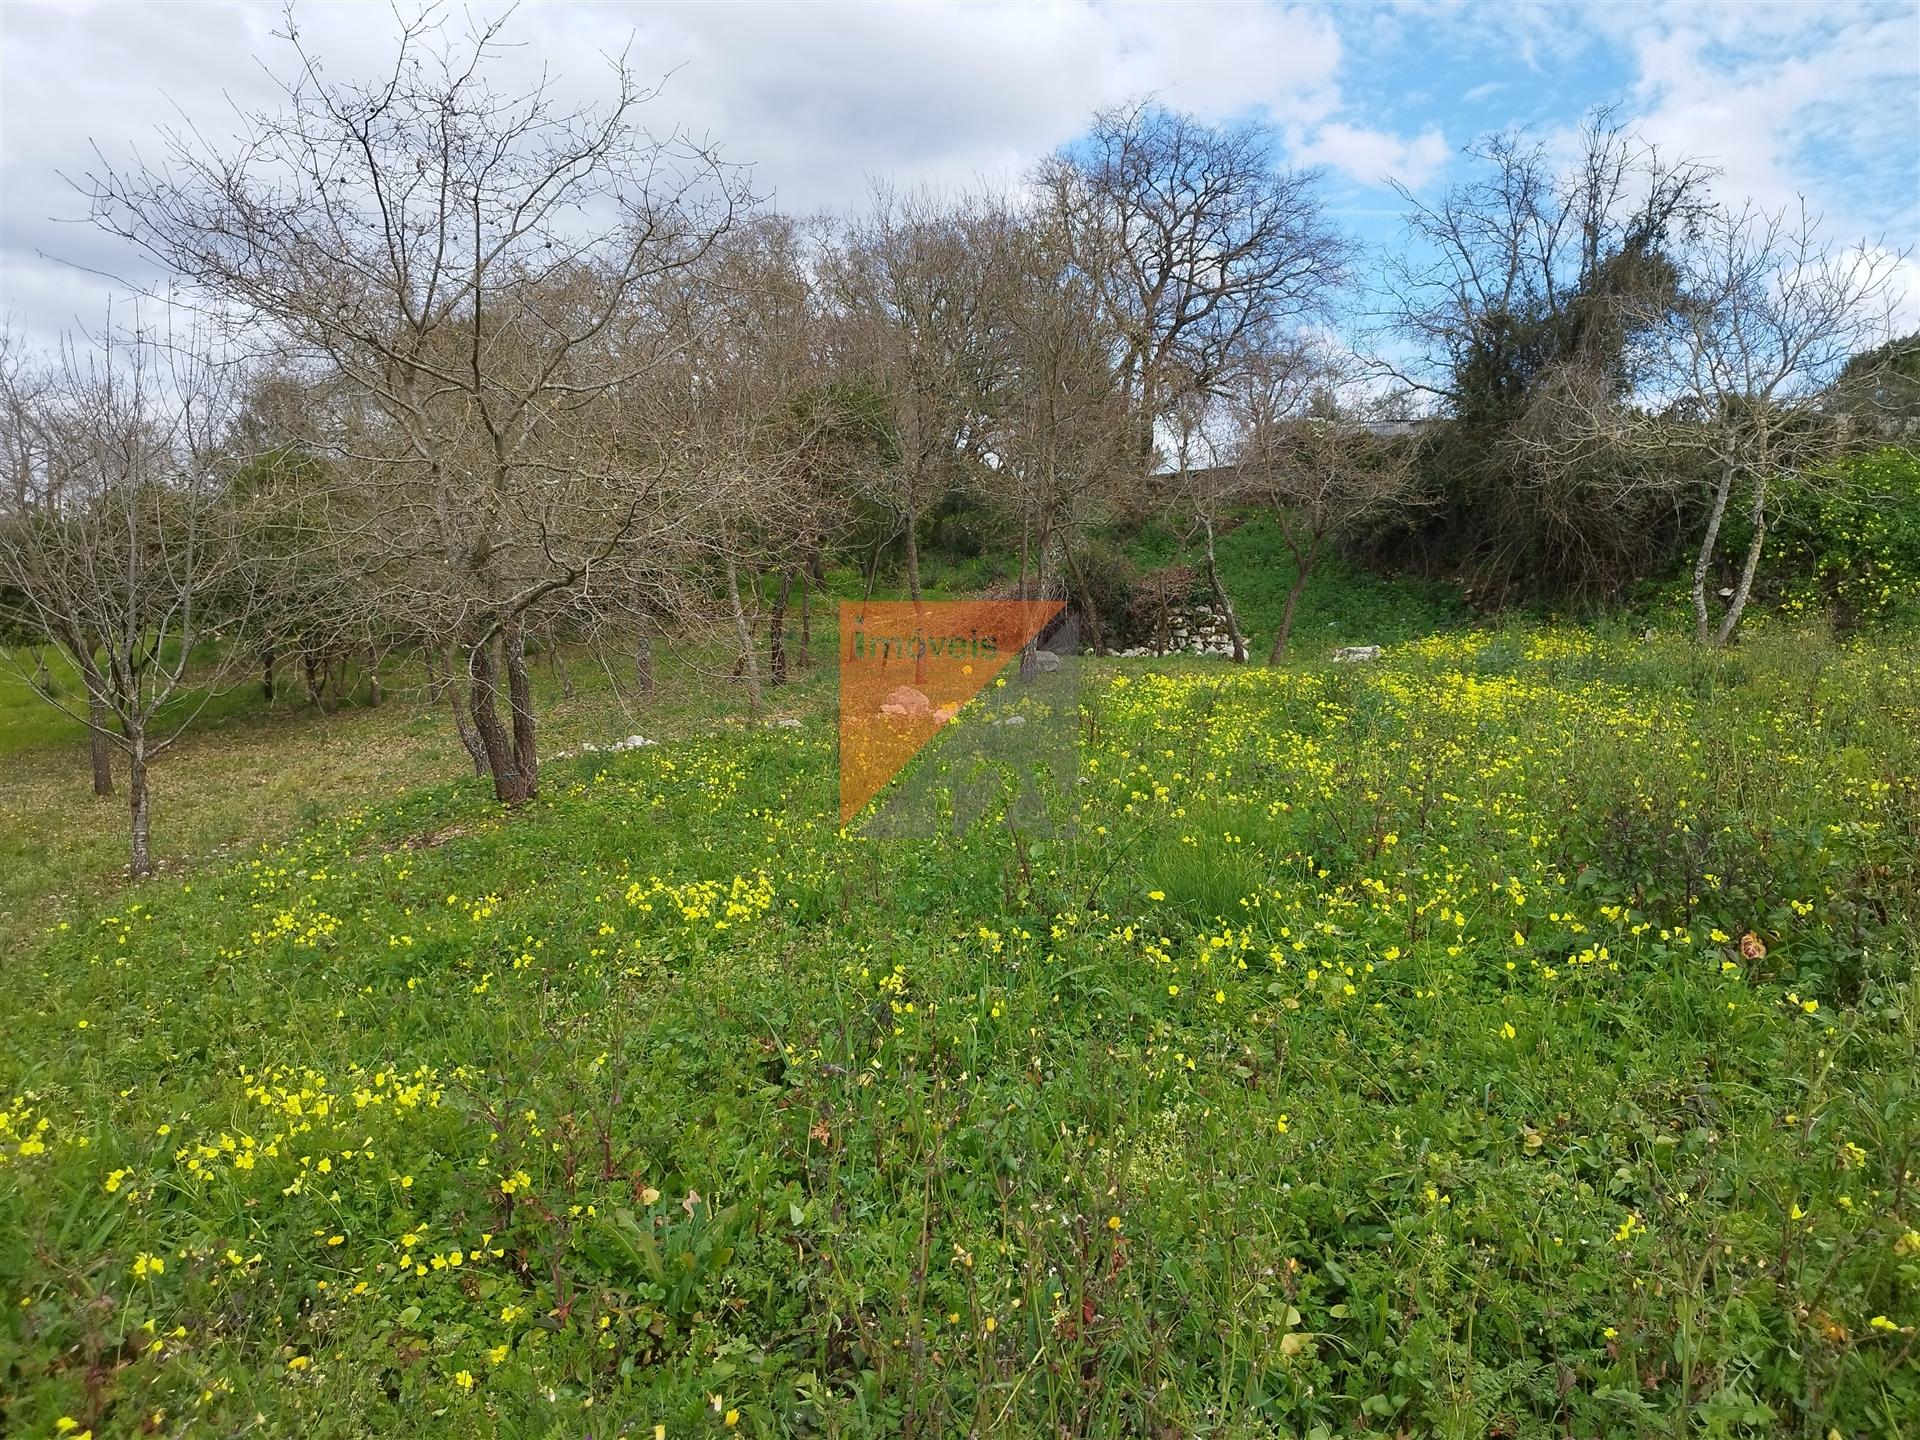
pixel 1342 603
pixel 245 772
pixel 1514 1037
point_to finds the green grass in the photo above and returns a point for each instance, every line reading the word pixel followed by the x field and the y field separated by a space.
pixel 1341 605
pixel 245 772
pixel 29 722
pixel 1371 1049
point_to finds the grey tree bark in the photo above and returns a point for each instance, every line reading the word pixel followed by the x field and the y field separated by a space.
pixel 1703 562
pixel 1737 606
pixel 743 634
pixel 1302 569
pixel 777 633
pixel 99 716
pixel 1220 596
pixel 141 865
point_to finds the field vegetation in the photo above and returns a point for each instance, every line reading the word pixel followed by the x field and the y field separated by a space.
pixel 1513 1037
pixel 442 997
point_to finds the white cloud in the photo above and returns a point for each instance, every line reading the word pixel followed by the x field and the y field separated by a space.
pixel 1370 156
pixel 1787 100
pixel 1220 61
pixel 1790 101
pixel 823 98
pixel 818 98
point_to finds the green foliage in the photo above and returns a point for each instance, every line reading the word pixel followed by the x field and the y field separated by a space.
pixel 848 421
pixel 28 721
pixel 1104 575
pixel 1850 546
pixel 1344 603
pixel 1500 324
pixel 1880 389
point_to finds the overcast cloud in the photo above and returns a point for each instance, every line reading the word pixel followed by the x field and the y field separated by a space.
pixel 820 99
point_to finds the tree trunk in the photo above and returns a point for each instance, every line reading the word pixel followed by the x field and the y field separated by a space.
pixel 913 555
pixel 1083 599
pixel 643 662
pixel 777 633
pixel 266 674
pixel 748 666
pixel 483 672
pixel 141 863
pixel 314 668
pixel 1147 417
pixel 526 722
pixel 1222 599
pixel 99 747
pixel 440 683
pixel 1303 567
pixel 374 693
pixel 556 664
pixel 469 737
pixel 1033 585
pixel 499 748
pixel 1703 562
pixel 873 574
pixel 1737 606
pixel 806 622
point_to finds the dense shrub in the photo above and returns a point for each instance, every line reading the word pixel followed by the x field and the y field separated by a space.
pixel 1852 550
pixel 1100 581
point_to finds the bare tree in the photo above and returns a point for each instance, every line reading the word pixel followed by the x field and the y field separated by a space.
pixel 1322 463
pixel 913 285
pixel 1190 238
pixel 1736 392
pixel 25 452
pixel 759 429
pixel 461 258
pixel 1525 272
pixel 1206 491
pixel 122 541
pixel 1529 262
pixel 1062 457
pixel 315 605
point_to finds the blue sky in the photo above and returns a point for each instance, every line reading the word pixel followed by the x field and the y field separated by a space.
pixel 1789 100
